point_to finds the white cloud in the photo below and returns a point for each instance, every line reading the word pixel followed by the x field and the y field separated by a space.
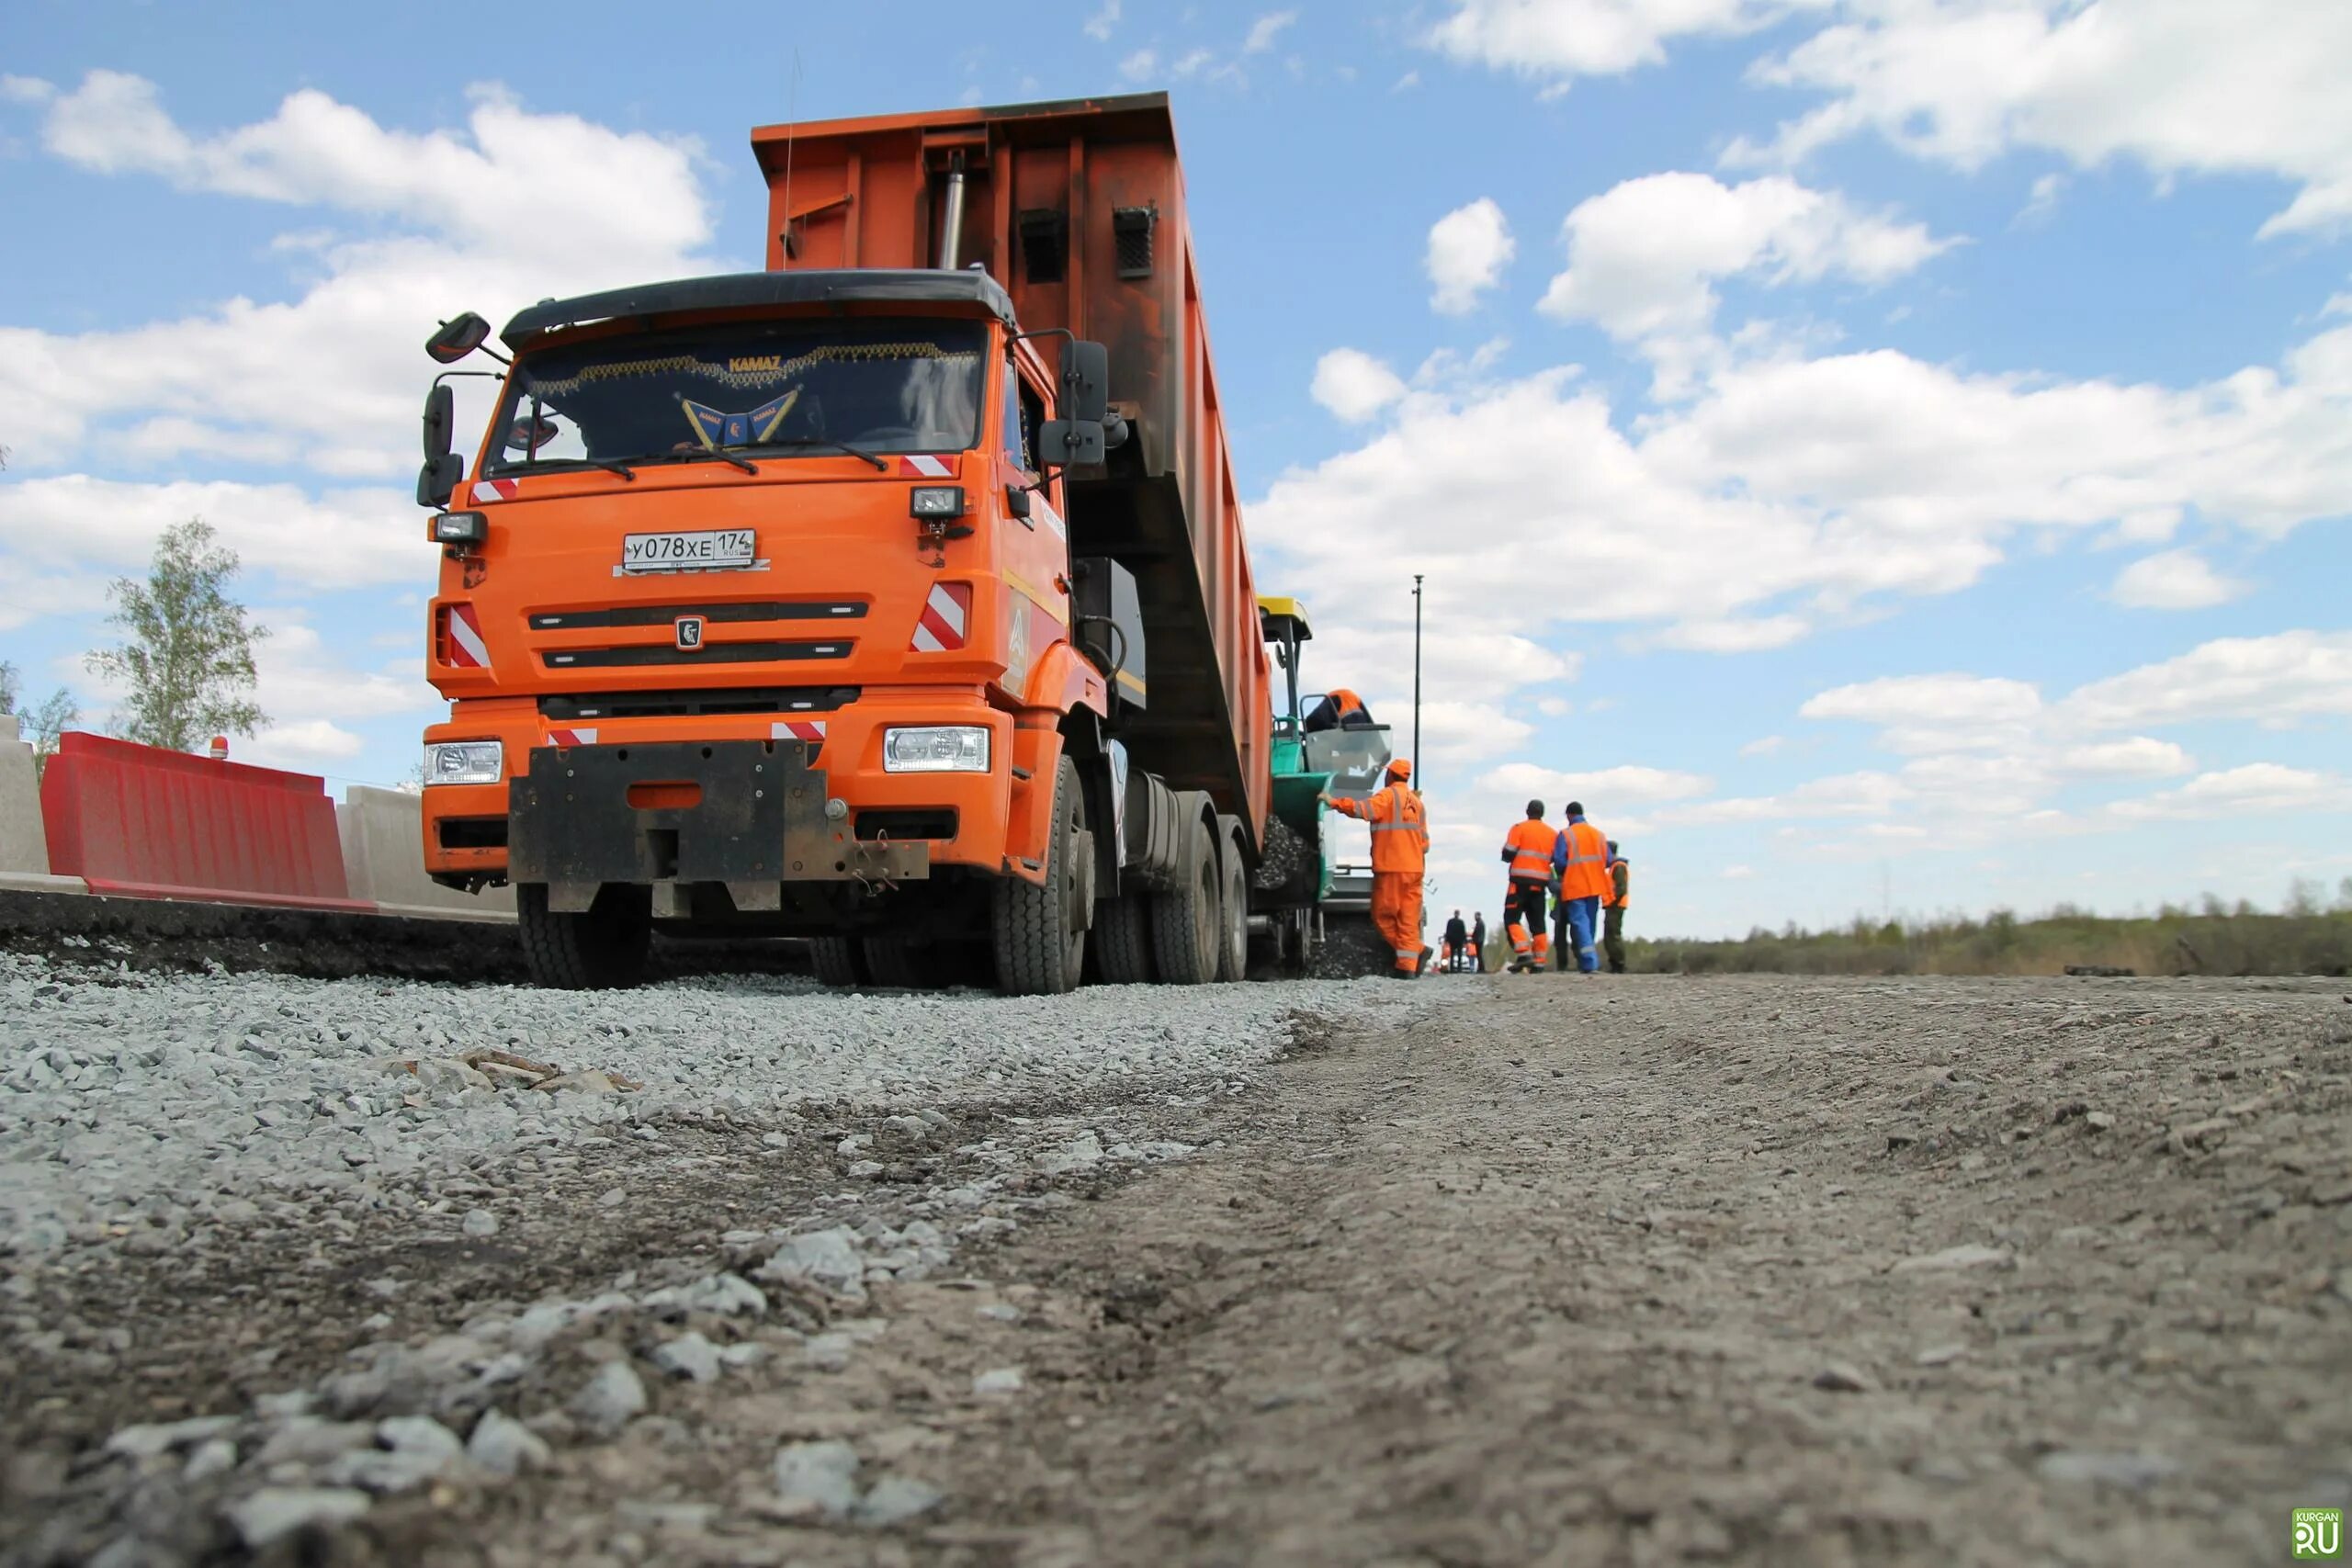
pixel 2182 86
pixel 2174 579
pixel 1733 636
pixel 2137 757
pixel 2257 787
pixel 1469 249
pixel 1140 67
pixel 1738 873
pixel 1864 794
pixel 1099 25
pixel 2275 681
pixel 1919 715
pixel 1604 789
pixel 1561 40
pixel 1763 746
pixel 1644 256
pixel 1353 385
pixel 1266 30
pixel 1407 83
pixel 2043 200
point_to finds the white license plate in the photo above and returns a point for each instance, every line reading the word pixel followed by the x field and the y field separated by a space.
pixel 721 550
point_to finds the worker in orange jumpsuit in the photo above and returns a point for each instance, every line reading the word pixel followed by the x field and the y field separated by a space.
pixel 1400 851
pixel 1527 850
pixel 1339 709
pixel 1580 860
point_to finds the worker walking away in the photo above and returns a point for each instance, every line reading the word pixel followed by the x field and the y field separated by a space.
pixel 1400 850
pixel 1457 941
pixel 1561 942
pixel 1478 942
pixel 1528 851
pixel 1339 709
pixel 1580 860
pixel 1620 884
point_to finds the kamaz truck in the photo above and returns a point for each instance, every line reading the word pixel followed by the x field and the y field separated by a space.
pixel 895 597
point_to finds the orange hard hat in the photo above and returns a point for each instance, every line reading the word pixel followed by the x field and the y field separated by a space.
pixel 1400 769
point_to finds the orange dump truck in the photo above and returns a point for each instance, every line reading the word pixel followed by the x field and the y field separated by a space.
pixel 895 597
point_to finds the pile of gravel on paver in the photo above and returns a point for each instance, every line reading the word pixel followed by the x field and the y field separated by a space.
pixel 178 1100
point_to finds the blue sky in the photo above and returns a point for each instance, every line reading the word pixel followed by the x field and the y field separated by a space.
pixel 1869 451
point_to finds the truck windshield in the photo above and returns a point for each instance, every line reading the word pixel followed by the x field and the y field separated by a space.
pixel 788 387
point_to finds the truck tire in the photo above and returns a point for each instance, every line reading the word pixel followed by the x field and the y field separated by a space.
pixel 1122 940
pixel 1186 919
pixel 838 961
pixel 603 950
pixel 1040 928
pixel 895 961
pixel 1233 906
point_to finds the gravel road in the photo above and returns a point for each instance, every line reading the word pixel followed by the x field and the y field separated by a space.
pixel 1483 1271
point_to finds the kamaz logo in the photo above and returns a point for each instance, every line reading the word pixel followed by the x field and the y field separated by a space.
pixel 690 632
pixel 756 362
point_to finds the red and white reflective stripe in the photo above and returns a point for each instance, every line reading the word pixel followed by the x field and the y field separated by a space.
pixel 571 737
pixel 945 614
pixel 467 648
pixel 926 467
pixel 504 489
pixel 797 730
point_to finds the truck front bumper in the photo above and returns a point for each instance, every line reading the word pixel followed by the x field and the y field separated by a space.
pixel 750 814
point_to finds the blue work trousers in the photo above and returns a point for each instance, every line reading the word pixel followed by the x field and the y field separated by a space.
pixel 1584 915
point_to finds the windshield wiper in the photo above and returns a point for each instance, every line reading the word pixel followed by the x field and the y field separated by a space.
pixel 829 444
pixel 698 455
pixel 611 465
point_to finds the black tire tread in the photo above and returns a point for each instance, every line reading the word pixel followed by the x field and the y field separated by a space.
pixel 1122 940
pixel 838 962
pixel 1033 956
pixel 1177 957
pixel 603 950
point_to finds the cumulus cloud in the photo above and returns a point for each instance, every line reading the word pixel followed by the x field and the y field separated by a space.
pixel 2174 579
pixel 2274 681
pixel 1559 40
pixel 1104 22
pixel 1626 786
pixel 2181 86
pixel 1469 249
pixel 1644 257
pixel 1353 385
pixel 2257 787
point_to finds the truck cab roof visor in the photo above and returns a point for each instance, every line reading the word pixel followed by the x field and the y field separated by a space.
pixel 734 290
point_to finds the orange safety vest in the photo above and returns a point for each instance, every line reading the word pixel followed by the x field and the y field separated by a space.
pixel 1400 832
pixel 1586 873
pixel 1530 848
pixel 1621 884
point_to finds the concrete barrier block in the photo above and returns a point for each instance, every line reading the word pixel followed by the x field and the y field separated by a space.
pixel 383 859
pixel 24 841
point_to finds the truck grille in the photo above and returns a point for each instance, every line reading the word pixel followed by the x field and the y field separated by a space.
pixel 688 705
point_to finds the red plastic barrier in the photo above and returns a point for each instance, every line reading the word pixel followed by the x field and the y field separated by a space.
pixel 142 822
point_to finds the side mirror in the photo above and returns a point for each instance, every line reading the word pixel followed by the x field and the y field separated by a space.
pixel 1071 443
pixel 440 420
pixel 437 481
pixel 1086 382
pixel 458 338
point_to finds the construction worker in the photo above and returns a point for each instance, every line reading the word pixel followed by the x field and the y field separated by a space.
pixel 1621 882
pixel 1339 709
pixel 1562 944
pixel 1457 938
pixel 1478 942
pixel 1528 850
pixel 1400 848
pixel 1580 862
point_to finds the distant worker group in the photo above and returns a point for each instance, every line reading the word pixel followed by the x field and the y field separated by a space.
pixel 1574 875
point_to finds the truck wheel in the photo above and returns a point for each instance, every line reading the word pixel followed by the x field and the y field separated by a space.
pixel 838 961
pixel 1185 921
pixel 895 961
pixel 1123 941
pixel 1040 929
pixel 603 950
pixel 1233 927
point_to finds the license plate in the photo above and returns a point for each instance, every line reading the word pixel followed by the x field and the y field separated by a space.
pixel 721 550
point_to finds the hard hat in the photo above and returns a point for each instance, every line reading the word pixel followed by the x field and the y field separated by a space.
pixel 1400 769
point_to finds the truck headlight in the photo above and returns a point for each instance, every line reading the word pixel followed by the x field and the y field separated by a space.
pixel 936 749
pixel 937 500
pixel 464 762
